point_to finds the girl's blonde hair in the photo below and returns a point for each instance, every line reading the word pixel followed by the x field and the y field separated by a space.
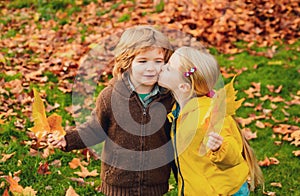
pixel 136 40
pixel 207 74
pixel 203 81
pixel 256 175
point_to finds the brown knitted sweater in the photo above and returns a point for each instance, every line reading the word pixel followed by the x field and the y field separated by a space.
pixel 137 149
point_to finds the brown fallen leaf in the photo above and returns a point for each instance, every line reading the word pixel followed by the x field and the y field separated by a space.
pixel 43 169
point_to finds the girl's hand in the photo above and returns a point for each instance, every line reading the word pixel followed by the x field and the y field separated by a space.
pixel 56 143
pixel 214 141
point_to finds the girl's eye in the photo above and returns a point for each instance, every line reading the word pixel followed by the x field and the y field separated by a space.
pixel 159 61
pixel 142 61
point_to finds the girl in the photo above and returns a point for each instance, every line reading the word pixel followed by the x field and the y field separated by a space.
pixel 136 154
pixel 191 74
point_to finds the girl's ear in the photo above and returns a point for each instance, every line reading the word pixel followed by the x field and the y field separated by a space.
pixel 184 87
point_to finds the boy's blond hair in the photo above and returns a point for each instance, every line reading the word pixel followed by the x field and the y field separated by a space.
pixel 136 40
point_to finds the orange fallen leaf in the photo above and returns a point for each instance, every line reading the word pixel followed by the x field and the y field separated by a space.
pixel 276 99
pixel 248 134
pixel 296 135
pixel 71 192
pixel 282 129
pixel 268 161
pixel 85 172
pixel 296 153
pixel 5 193
pixel 244 121
pixel 74 163
pixel 14 185
pixel 278 89
pixel 270 88
pixel 274 161
pixel 260 124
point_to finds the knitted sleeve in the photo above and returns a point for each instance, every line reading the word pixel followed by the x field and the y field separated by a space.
pixel 93 131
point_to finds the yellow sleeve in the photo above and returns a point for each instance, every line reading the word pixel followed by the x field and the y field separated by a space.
pixel 230 152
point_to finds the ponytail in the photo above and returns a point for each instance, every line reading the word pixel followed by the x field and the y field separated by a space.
pixel 255 173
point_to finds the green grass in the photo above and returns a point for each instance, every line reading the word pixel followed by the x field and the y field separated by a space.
pixel 286 172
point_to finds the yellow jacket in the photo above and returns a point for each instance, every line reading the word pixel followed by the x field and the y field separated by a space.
pixel 217 173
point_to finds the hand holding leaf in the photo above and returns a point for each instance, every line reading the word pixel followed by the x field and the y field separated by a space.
pixel 223 104
pixel 43 125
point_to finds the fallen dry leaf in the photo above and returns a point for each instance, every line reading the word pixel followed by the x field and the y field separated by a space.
pixel 71 192
pixel 43 169
pixel 296 153
pixel 85 173
pixel 268 161
pixel 282 129
pixel 260 124
pixel 6 157
pixel 276 184
pixel 74 163
pixel 17 189
pixel 249 134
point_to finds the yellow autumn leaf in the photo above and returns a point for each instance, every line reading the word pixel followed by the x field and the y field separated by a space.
pixel 42 124
pixel 231 104
pixel 223 104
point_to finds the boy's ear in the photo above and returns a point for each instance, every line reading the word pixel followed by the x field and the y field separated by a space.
pixel 184 87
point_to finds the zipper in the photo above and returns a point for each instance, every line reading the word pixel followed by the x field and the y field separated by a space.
pixel 142 150
pixel 176 154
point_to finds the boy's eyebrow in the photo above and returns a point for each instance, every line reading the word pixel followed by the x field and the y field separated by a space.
pixel 144 57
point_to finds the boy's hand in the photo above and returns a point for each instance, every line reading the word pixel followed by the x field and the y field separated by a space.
pixel 56 143
pixel 214 141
